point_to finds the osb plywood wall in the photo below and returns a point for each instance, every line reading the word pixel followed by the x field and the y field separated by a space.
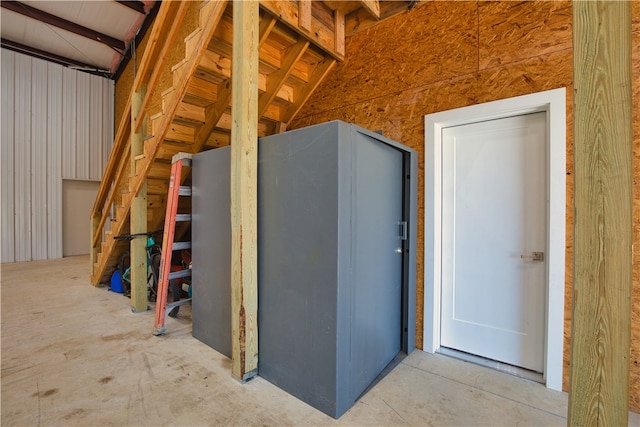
pixel 445 55
pixel 176 54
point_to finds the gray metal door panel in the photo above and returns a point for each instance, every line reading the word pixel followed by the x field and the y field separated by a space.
pixel 297 263
pixel 376 212
pixel 211 228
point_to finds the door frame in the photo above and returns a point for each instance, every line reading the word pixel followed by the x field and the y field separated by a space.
pixel 553 102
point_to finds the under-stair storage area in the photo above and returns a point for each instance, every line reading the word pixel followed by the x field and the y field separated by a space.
pixel 336 259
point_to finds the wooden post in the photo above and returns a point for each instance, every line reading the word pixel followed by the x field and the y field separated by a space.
pixel 340 31
pixel 138 221
pixel 244 197
pixel 600 339
pixel 93 253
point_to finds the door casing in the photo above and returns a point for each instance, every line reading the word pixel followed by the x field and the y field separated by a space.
pixel 553 102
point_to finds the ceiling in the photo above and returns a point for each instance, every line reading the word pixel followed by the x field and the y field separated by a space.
pixel 92 36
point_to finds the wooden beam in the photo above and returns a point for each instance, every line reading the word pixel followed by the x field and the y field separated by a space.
pixel 304 15
pixel 603 234
pixel 266 25
pixel 244 197
pixel 339 26
pixel 288 13
pixel 362 19
pixel 304 92
pixel 93 254
pixel 138 219
pixel 213 114
pixel 277 79
pixel 371 6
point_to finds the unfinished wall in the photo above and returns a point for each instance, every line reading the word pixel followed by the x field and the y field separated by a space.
pixel 124 83
pixel 445 55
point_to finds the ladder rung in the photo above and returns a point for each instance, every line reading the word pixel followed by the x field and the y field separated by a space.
pixel 178 246
pixel 183 217
pixel 179 274
pixel 185 190
pixel 171 305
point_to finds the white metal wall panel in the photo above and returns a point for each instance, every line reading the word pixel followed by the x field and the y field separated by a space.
pixel 82 126
pixel 54 160
pixel 56 123
pixel 38 160
pixel 95 125
pixel 108 132
pixel 6 156
pixel 22 159
pixel 108 129
pixel 69 123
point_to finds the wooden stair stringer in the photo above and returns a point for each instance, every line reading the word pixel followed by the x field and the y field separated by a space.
pixel 210 15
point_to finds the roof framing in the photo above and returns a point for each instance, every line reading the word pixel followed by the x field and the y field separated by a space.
pixel 32 12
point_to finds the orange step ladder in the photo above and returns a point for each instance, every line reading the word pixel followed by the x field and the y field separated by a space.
pixel 169 246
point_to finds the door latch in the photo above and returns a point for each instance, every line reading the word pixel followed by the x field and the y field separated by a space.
pixel 402 225
pixel 535 256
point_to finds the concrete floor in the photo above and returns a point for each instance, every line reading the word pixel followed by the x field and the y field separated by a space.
pixel 73 354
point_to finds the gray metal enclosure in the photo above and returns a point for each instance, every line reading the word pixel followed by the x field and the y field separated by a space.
pixel 336 259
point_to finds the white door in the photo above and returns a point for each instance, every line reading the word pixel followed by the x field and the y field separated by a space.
pixel 494 219
pixel 77 202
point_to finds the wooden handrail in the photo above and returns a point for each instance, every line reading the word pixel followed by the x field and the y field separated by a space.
pixel 156 62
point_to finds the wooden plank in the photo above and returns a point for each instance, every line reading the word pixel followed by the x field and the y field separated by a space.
pixel 346 7
pixel 319 35
pixel 266 25
pixel 218 139
pixel 190 113
pixel 304 92
pixel 215 112
pixel 371 6
pixel 362 18
pixel 212 115
pixel 304 15
pixel 277 79
pixel 603 234
pixel 244 180
pixel 138 219
pixel 340 37
pixel 180 133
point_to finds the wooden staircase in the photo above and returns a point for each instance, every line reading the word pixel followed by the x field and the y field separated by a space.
pixel 299 42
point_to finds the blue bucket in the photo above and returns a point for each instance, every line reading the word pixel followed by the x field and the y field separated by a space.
pixel 116 283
